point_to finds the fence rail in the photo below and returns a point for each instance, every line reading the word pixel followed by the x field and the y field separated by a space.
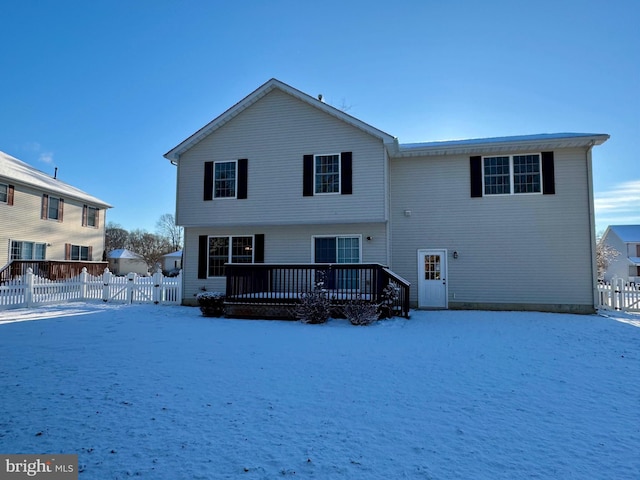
pixel 30 289
pixel 619 295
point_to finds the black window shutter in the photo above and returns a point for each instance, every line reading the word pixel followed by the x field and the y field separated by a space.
pixel 346 184
pixel 208 181
pixel 258 248
pixel 548 174
pixel 203 256
pixel 475 169
pixel 307 180
pixel 243 171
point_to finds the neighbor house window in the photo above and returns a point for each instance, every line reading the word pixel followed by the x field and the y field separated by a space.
pixel 89 216
pixel 4 193
pixel 28 250
pixel 224 185
pixel 228 249
pixel 77 252
pixel 52 207
pixel 327 173
pixel 512 174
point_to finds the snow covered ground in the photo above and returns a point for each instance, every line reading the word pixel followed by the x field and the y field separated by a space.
pixel 162 393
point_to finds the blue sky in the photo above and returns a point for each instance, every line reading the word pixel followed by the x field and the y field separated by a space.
pixel 103 89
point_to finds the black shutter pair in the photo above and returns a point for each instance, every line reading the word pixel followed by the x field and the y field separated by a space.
pixel 548 175
pixel 346 174
pixel 203 252
pixel 243 173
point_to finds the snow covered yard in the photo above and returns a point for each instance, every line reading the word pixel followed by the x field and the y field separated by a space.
pixel 163 393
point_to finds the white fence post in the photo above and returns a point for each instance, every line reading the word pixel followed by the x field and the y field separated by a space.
pixel 83 283
pixel 157 286
pixel 131 280
pixel 106 278
pixel 28 287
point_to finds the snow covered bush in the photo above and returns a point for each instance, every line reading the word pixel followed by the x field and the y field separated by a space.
pixel 314 307
pixel 211 303
pixel 390 296
pixel 361 312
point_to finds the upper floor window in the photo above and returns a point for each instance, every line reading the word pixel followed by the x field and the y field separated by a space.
pixel 89 216
pixel 52 207
pixel 224 185
pixel 4 193
pixel 327 173
pixel 28 250
pixel 512 174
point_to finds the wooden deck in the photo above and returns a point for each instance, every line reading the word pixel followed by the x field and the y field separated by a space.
pixel 273 290
pixel 51 269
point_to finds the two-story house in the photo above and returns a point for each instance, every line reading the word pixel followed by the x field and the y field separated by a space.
pixel 282 177
pixel 43 218
pixel 625 240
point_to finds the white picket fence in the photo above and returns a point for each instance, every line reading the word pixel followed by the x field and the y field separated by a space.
pixel 31 290
pixel 619 295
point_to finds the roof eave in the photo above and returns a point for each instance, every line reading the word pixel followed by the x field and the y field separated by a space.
pixel 484 146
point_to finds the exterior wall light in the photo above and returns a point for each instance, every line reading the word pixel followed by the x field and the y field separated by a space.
pixel 455 254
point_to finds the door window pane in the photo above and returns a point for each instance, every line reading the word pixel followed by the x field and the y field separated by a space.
pixel 432 267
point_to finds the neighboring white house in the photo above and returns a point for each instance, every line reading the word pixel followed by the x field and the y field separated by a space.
pixel 123 261
pixel 172 261
pixel 282 177
pixel 626 240
pixel 44 218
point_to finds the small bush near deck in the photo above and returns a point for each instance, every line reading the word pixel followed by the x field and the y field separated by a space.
pixel 314 307
pixel 390 296
pixel 211 303
pixel 361 312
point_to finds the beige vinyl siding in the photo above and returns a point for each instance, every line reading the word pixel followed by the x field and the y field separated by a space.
pixel 274 134
pixel 283 244
pixel 22 222
pixel 501 240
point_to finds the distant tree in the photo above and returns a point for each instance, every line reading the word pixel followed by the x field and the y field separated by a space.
pixel 605 254
pixel 116 237
pixel 149 246
pixel 167 228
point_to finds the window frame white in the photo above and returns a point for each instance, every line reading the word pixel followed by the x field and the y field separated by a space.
pixel 6 193
pixel 49 199
pixel 315 174
pixel 512 175
pixel 336 236
pixel 215 180
pixel 95 216
pixel 34 249
pixel 80 248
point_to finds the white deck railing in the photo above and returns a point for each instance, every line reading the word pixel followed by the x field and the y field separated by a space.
pixel 30 290
pixel 619 295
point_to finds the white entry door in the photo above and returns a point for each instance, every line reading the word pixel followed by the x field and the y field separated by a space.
pixel 432 279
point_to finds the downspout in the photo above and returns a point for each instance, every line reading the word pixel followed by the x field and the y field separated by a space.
pixel 592 228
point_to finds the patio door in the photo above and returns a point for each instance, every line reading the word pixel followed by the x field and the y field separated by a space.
pixel 432 279
pixel 338 249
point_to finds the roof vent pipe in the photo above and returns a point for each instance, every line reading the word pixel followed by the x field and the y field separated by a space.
pixel 55 173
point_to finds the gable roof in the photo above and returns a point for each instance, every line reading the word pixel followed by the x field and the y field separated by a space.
pixel 544 141
pixel 626 233
pixel 17 171
pixel 174 154
pixel 123 253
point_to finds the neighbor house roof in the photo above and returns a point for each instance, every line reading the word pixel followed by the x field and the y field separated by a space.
pixel 19 172
pixel 123 253
pixel 627 233
pixel 538 142
pixel 177 254
pixel 174 154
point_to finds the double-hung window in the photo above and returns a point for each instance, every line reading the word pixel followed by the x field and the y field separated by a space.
pixel 28 250
pixel 52 207
pixel 512 174
pixel 89 216
pixel 327 173
pixel 4 193
pixel 228 249
pixel 224 185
